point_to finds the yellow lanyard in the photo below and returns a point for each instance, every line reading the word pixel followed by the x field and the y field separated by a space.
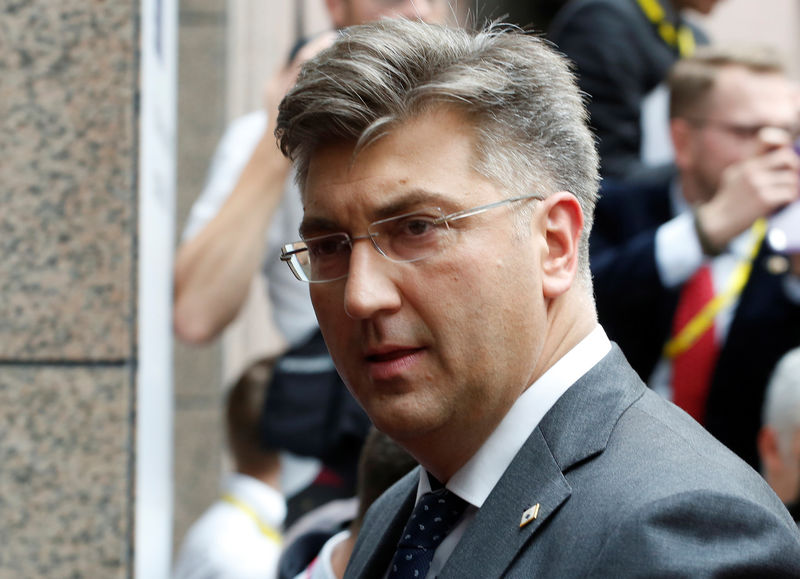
pixel 265 529
pixel 703 320
pixel 681 38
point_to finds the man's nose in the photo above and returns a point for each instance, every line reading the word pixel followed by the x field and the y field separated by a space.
pixel 369 287
pixel 773 137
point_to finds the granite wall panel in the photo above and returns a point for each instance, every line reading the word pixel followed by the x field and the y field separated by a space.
pixel 69 73
pixel 65 494
pixel 68 147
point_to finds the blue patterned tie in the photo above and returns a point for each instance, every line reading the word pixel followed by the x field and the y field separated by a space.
pixel 434 516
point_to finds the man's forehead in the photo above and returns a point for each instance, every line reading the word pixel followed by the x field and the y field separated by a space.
pixel 362 11
pixel 741 88
pixel 419 140
pixel 343 187
pixel 328 164
pixel 736 78
pixel 427 163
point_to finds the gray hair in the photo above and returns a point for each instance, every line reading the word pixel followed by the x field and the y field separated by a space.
pixel 529 117
pixel 782 400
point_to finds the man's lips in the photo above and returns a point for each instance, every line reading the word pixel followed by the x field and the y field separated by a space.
pixel 390 354
pixel 391 363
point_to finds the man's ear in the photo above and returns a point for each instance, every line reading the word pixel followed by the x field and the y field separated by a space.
pixel 680 131
pixel 768 450
pixel 562 220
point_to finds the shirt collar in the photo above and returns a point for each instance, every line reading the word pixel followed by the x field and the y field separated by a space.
pixel 474 481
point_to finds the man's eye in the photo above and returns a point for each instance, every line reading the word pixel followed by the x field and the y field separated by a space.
pixel 326 247
pixel 747 132
pixel 415 227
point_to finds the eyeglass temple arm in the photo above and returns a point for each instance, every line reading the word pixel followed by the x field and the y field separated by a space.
pixel 287 255
pixel 475 210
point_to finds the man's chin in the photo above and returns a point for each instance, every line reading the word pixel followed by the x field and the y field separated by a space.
pixel 406 430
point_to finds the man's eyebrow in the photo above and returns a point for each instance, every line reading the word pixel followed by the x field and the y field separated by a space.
pixel 314 226
pixel 407 202
pixel 411 201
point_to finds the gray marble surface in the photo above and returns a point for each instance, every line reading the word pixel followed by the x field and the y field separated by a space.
pixel 68 200
pixel 68 172
pixel 69 73
pixel 65 479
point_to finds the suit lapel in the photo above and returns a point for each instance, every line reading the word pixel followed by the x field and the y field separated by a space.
pixel 379 540
pixel 495 536
pixel 580 423
pixel 577 428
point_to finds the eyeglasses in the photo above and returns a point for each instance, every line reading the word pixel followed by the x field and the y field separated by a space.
pixel 403 238
pixel 745 131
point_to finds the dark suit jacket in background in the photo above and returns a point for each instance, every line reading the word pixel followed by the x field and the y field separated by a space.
pixel 628 486
pixel 636 311
pixel 620 58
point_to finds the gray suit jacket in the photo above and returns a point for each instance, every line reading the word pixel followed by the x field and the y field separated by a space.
pixel 628 486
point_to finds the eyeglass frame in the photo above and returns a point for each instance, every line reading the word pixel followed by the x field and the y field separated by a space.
pixel 289 252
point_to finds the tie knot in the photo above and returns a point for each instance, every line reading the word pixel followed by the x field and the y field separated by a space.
pixel 440 506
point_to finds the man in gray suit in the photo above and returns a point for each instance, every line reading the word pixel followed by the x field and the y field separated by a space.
pixel 448 181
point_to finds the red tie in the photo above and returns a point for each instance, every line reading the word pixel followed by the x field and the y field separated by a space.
pixel 692 368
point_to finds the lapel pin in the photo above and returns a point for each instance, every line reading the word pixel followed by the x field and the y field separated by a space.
pixel 777 264
pixel 529 515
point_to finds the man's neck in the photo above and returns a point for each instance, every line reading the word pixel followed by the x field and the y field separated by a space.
pixel 571 318
pixel 341 554
pixel 443 453
pixel 268 475
pixel 693 193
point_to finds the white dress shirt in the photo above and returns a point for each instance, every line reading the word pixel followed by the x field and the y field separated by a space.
pixel 474 481
pixel 226 541
pixel 321 567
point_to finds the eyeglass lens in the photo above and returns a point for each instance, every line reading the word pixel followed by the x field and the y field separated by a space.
pixel 403 238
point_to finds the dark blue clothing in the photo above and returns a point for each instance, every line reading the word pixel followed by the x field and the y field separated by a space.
pixel 620 58
pixel 636 311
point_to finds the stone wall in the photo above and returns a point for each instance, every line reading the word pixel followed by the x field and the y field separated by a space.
pixel 68 165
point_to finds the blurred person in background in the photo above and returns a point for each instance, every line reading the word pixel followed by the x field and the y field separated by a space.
pixel 700 304
pixel 623 50
pixel 779 438
pixel 239 537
